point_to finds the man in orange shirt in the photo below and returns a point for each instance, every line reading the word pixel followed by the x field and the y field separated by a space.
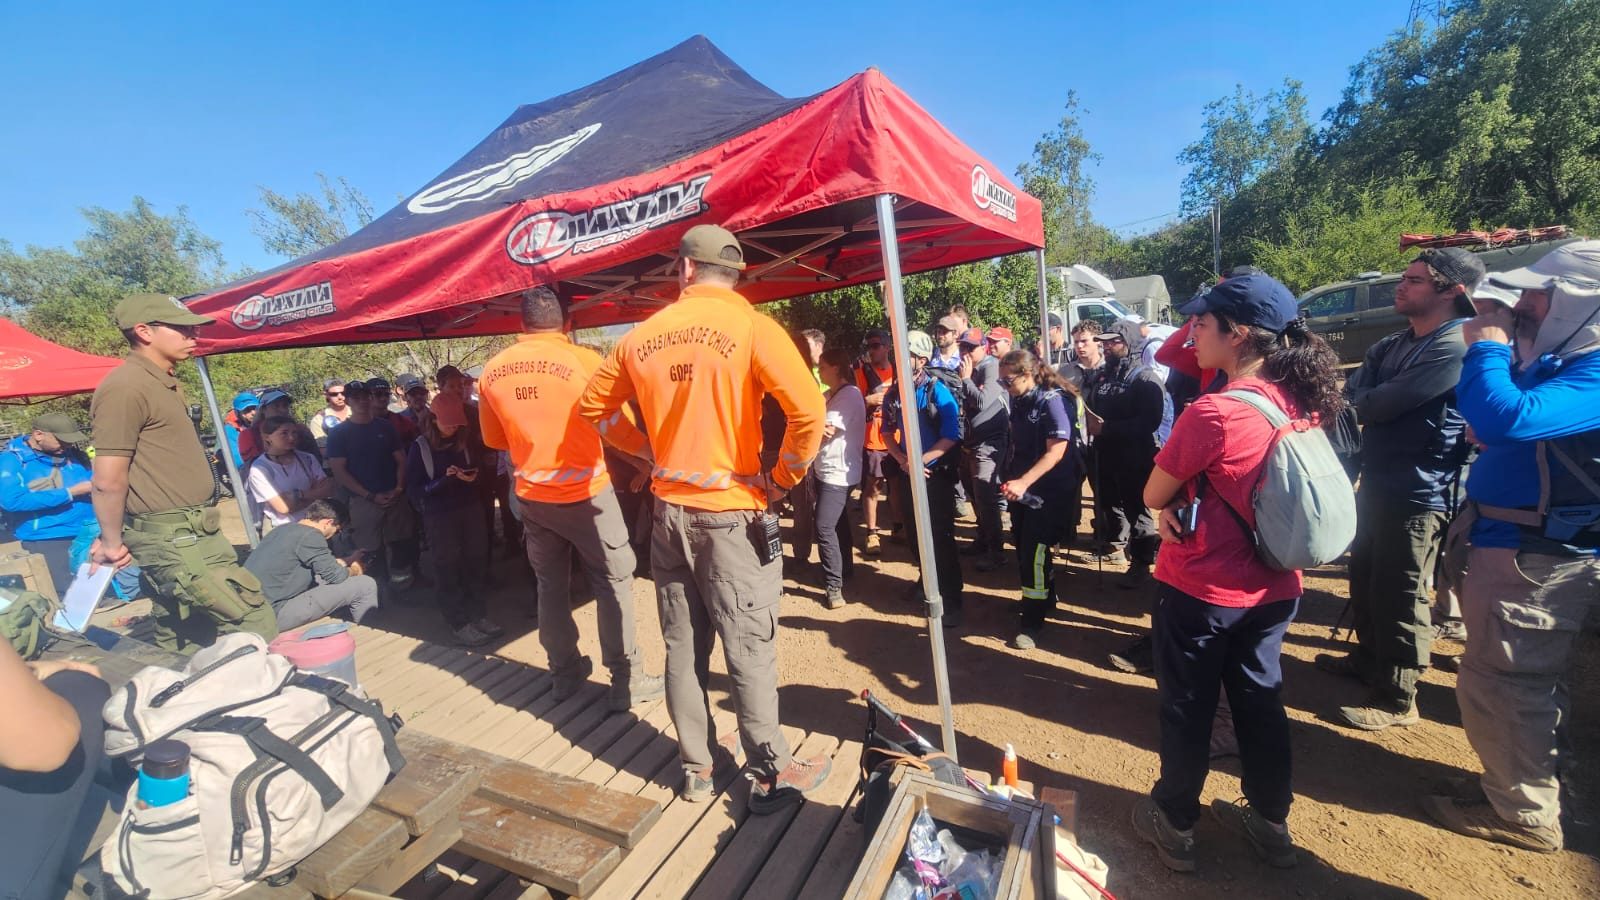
pixel 875 376
pixel 698 370
pixel 528 406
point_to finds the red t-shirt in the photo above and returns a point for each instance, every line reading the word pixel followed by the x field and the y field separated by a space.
pixel 1228 441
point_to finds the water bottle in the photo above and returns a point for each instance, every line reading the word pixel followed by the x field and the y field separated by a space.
pixel 1031 500
pixel 164 774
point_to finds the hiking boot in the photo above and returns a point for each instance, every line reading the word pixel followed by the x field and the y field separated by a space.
pixel 637 690
pixel 1105 553
pixel 1476 818
pixel 468 635
pixel 564 685
pixel 1136 659
pixel 1450 630
pixel 835 598
pixel 697 786
pixel 1176 848
pixel 495 632
pixel 1274 846
pixel 768 794
pixel 1135 578
pixel 873 546
pixel 1347 665
pixel 1024 640
pixel 951 617
pixel 1375 716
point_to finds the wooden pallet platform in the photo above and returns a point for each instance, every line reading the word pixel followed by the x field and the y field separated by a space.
pixel 702 850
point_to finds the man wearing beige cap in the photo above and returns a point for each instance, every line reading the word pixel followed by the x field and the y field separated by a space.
pixel 44 489
pixel 698 370
pixel 153 487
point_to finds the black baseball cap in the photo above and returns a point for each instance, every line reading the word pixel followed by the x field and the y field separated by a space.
pixel 356 386
pixel 1258 300
pixel 378 385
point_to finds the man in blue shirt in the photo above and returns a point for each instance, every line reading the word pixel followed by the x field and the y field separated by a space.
pixel 44 488
pixel 1532 576
pixel 369 463
pixel 939 424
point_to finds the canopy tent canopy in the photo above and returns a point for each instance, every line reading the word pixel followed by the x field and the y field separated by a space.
pixel 589 192
pixel 34 368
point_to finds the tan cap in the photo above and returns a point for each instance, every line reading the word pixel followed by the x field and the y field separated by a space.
pixel 140 309
pixel 712 244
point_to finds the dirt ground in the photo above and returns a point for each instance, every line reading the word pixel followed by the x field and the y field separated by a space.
pixel 1078 724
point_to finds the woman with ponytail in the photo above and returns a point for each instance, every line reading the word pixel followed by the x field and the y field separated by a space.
pixel 1040 476
pixel 1221 613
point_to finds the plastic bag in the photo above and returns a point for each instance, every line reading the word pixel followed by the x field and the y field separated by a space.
pixel 924 851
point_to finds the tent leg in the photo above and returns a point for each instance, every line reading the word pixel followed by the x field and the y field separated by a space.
pixel 1044 306
pixel 895 303
pixel 227 458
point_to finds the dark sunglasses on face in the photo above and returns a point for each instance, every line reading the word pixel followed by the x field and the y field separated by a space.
pixel 336 393
pixel 1005 380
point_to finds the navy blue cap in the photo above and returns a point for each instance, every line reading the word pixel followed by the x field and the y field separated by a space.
pixel 1258 300
pixel 272 396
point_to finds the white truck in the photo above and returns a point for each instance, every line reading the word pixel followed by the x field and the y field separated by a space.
pixel 1091 295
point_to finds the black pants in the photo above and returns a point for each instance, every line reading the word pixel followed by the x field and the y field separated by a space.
pixel 1199 649
pixel 455 538
pixel 1121 515
pixel 39 811
pixel 1034 531
pixel 58 557
pixel 833 533
pixel 942 515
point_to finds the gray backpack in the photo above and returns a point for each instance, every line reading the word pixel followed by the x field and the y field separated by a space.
pixel 1305 508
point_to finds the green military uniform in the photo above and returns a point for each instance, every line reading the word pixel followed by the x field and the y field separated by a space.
pixel 197 587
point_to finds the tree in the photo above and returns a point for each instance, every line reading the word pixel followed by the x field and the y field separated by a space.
pixel 1339 234
pixel 1242 138
pixel 1058 176
pixel 304 223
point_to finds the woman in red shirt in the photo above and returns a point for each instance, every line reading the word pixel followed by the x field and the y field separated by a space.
pixel 1222 613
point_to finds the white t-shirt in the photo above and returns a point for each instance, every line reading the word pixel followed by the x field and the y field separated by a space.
pixel 269 479
pixel 838 461
pixel 1158 336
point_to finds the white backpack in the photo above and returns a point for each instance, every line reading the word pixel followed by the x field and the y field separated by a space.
pixel 1305 507
pixel 280 761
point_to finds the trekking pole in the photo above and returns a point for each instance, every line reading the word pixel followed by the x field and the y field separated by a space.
pixel 918 741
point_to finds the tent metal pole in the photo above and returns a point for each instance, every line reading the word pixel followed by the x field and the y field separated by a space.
pixel 894 301
pixel 1044 307
pixel 227 456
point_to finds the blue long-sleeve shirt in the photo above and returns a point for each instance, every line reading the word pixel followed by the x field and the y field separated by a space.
pixel 42 513
pixel 1510 412
pixel 947 423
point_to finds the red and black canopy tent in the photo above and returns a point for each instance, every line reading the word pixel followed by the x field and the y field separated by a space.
pixel 32 368
pixel 589 193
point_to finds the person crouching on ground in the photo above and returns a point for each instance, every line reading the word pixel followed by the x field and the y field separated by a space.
pixel 1040 472
pixel 1221 613
pixel 441 474
pixel 300 576
pixel 837 469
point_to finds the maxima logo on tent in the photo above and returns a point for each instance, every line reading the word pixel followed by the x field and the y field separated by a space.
pixel 483 183
pixel 279 309
pixel 547 235
pixel 990 195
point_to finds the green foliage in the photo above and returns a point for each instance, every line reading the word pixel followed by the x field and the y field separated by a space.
pixel 1243 137
pixel 304 223
pixel 1058 176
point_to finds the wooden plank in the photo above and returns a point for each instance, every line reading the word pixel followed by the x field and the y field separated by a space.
pixel 836 864
pixel 599 740
pixel 351 854
pixel 384 654
pixel 578 731
pixel 409 675
pixel 739 859
pixel 455 685
pixel 1066 806
pixel 676 821
pixel 791 862
pixel 560 858
pixel 492 688
pixel 260 890
pixel 428 790
pixel 471 731
pixel 530 735
pixel 610 815
pixel 623 749
pixel 397 870
pixel 513 888
pixel 683 866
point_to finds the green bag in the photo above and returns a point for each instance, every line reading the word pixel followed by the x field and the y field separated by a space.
pixel 25 620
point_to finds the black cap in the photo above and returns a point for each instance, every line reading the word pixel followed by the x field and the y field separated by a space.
pixel 1054 321
pixel 1241 271
pixel 378 385
pixel 1125 330
pixel 356 386
pixel 1258 300
pixel 1456 265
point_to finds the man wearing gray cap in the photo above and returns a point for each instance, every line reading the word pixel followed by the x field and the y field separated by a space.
pixel 1413 449
pixel 1530 536
pixel 44 488
pixel 153 487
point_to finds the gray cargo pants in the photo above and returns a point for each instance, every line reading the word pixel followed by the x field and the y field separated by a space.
pixel 595 531
pixel 1523 613
pixel 709 582
pixel 358 592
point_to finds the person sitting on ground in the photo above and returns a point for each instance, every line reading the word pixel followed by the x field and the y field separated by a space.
pixel 837 469
pixel 285 481
pixel 1038 477
pixel 300 576
pixel 442 473
pixel 1222 613
pixel 44 489
pixel 50 748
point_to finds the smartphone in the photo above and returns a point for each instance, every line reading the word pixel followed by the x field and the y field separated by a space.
pixel 1188 517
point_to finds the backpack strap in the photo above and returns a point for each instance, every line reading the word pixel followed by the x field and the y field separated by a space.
pixel 337 692
pixel 255 732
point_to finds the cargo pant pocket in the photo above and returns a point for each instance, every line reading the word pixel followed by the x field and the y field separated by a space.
pixel 753 627
pixel 1536 615
pixel 229 593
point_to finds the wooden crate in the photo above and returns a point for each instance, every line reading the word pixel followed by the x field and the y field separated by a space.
pixel 1021 831
pixel 34 570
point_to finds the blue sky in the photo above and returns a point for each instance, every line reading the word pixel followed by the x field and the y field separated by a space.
pixel 200 104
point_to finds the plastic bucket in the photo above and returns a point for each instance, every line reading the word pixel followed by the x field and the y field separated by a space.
pixel 328 650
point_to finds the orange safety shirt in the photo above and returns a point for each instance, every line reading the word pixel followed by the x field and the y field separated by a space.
pixel 874 438
pixel 528 397
pixel 698 370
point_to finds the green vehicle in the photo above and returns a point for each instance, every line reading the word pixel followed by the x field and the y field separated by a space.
pixel 1353 315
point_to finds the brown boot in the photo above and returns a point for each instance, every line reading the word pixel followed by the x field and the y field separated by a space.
pixel 768 794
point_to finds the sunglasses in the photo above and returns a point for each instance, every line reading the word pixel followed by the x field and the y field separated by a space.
pixel 335 393
pixel 1005 380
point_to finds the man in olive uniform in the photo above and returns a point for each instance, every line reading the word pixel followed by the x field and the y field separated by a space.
pixel 153 487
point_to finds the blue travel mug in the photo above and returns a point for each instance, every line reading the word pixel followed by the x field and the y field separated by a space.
pixel 164 774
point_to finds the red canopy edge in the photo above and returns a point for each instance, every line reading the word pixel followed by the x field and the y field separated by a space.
pixel 31 366
pixel 798 190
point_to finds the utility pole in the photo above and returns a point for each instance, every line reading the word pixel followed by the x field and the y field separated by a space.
pixel 1216 237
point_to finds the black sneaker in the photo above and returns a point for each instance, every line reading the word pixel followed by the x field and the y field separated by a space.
pixel 1274 846
pixel 567 683
pixel 1136 659
pixel 1176 848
